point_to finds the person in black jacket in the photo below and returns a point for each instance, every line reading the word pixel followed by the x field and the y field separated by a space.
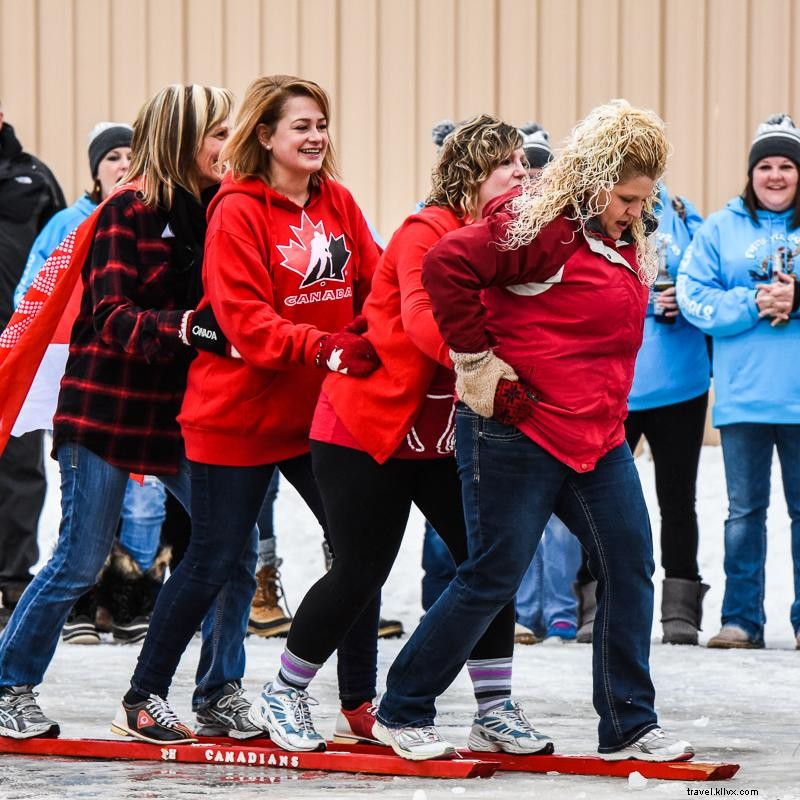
pixel 29 196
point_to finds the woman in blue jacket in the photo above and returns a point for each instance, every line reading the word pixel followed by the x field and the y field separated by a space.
pixel 737 283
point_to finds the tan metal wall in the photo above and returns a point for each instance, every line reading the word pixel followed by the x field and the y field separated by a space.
pixel 712 68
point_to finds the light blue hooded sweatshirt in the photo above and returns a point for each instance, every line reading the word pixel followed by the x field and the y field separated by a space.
pixel 673 364
pixel 756 378
pixel 50 237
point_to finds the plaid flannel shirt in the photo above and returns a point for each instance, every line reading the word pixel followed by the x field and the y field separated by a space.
pixel 126 372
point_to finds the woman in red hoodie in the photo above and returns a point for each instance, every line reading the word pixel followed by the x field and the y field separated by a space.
pixel 381 444
pixel 289 257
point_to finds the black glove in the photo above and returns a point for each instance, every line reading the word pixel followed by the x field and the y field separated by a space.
pixel 204 332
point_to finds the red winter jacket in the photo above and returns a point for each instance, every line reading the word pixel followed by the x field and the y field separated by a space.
pixel 380 410
pixel 566 312
pixel 278 278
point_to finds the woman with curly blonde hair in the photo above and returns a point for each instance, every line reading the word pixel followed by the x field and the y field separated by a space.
pixel 384 442
pixel 542 305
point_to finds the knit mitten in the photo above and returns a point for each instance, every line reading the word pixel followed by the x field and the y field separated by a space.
pixel 513 402
pixel 477 376
pixel 347 353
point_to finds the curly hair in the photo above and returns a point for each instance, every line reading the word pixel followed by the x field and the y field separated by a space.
pixel 470 153
pixel 613 143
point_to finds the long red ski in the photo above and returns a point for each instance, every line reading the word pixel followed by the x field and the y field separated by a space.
pixel 264 754
pixel 589 765
pixel 564 764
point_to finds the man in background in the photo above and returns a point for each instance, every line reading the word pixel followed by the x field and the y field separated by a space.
pixel 29 196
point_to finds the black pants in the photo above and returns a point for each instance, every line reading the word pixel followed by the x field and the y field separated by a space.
pixel 367 507
pixel 675 435
pixel 22 490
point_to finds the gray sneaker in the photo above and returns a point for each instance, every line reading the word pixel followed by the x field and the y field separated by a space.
pixel 506 729
pixel 415 744
pixel 655 745
pixel 21 717
pixel 227 715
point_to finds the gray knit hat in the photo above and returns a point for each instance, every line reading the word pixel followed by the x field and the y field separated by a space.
pixel 536 144
pixel 776 136
pixel 106 136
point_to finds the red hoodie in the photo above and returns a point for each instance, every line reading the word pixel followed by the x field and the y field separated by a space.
pixel 278 277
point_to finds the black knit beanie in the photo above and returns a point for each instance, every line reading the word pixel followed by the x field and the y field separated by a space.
pixel 776 136
pixel 536 144
pixel 106 136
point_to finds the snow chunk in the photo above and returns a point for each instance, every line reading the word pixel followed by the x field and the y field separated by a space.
pixel 420 794
pixel 636 780
pixel 458 790
pixel 700 722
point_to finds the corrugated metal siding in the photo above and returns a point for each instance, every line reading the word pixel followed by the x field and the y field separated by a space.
pixel 712 68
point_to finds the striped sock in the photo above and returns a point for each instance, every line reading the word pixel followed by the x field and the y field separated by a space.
pixel 491 681
pixel 295 673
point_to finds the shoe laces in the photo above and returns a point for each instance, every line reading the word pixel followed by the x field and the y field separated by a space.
pixel 162 713
pixel 424 735
pixel 25 702
pixel 234 701
pixel 301 711
pixel 515 715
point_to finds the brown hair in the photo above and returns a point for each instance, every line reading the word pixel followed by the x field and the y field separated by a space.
pixel 751 202
pixel 167 136
pixel 264 104
pixel 468 156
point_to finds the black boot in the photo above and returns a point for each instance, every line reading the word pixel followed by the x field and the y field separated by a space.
pixel 587 608
pixel 682 610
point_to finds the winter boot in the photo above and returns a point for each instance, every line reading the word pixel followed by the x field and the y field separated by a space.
pixel 129 593
pixel 267 618
pixel 587 608
pixel 682 610
pixel 80 627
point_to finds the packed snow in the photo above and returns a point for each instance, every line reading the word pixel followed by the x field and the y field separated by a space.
pixel 733 705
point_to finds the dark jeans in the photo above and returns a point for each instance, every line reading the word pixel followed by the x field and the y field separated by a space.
pixel 510 487
pixel 225 505
pixel 675 436
pixel 367 506
pixel 22 490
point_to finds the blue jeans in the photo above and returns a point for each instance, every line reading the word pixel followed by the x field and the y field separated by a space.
pixel 545 595
pixel 510 488
pixel 92 492
pixel 143 514
pixel 747 453
pixel 438 567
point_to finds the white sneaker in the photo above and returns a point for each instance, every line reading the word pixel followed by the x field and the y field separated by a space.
pixel 21 717
pixel 415 744
pixel 286 716
pixel 506 729
pixel 655 745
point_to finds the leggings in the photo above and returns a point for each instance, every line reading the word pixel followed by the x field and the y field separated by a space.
pixel 367 507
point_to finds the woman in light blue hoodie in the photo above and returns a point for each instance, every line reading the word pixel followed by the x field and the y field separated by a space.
pixel 737 283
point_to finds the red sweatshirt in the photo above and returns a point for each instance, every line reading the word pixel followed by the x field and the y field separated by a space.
pixel 278 278
pixel 566 311
pixel 379 411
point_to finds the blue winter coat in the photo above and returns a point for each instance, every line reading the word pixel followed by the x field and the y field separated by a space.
pixel 755 377
pixel 673 364
pixel 53 233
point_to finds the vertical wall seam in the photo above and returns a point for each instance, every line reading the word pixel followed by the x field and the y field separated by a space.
pixel 706 144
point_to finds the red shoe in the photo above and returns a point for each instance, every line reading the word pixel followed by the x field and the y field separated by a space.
pixel 355 727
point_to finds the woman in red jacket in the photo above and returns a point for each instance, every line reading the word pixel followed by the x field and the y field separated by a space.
pixel 288 258
pixel 549 292
pixel 381 444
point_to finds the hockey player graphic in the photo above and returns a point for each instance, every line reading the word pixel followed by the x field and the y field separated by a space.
pixel 320 264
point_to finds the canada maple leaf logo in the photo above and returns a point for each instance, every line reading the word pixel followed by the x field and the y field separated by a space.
pixel 313 254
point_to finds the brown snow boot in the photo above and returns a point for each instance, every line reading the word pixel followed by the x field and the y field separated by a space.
pixel 267 618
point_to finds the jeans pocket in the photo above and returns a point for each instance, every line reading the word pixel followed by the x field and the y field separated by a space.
pixel 496 431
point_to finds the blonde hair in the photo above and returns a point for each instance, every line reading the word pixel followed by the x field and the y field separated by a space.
pixel 613 143
pixel 264 104
pixel 469 154
pixel 167 136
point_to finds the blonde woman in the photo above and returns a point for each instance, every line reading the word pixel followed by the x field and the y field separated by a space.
pixel 549 293
pixel 124 377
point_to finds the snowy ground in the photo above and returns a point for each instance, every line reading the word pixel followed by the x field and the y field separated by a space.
pixel 734 706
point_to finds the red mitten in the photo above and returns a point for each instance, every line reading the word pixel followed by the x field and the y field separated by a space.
pixel 513 402
pixel 347 353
